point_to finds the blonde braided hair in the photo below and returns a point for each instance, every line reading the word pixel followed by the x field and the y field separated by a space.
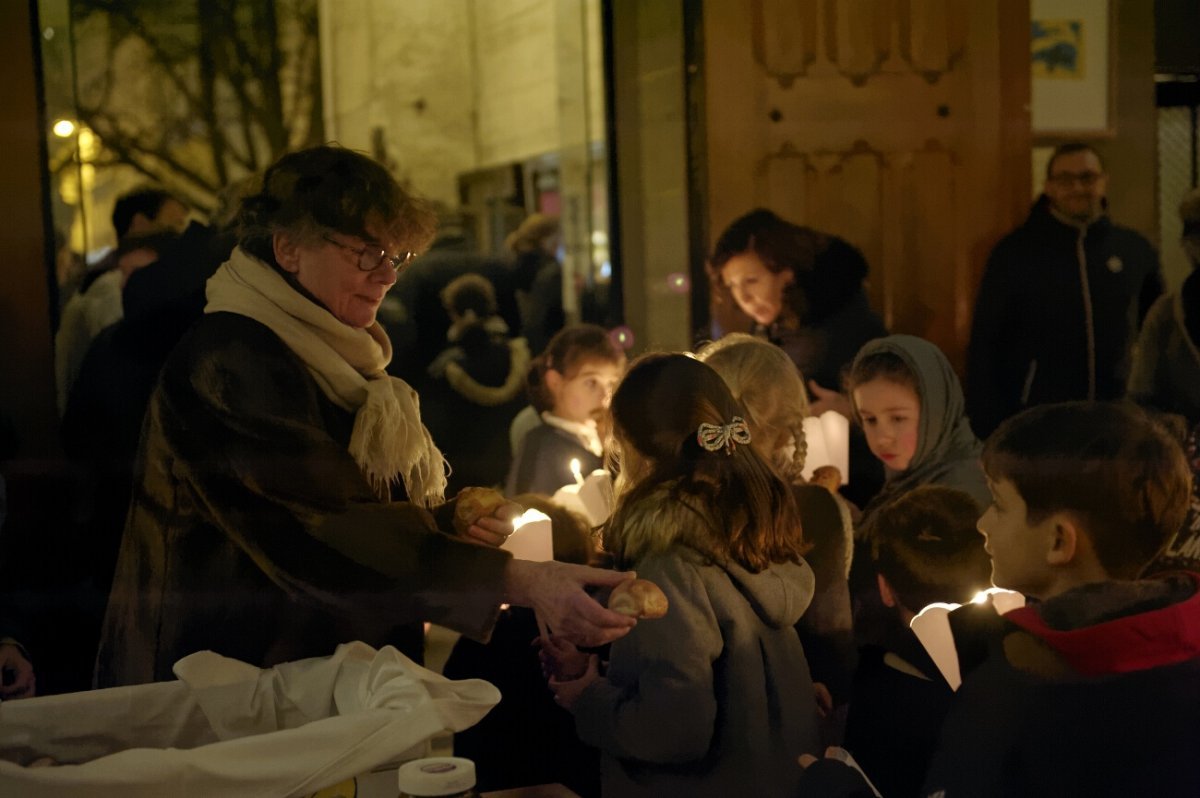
pixel 763 378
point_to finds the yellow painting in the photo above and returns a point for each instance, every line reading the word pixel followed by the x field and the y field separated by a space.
pixel 1058 49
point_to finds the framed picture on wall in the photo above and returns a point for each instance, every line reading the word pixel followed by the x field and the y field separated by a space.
pixel 1072 68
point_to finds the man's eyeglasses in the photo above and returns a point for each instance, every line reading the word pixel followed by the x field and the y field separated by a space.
pixel 1085 179
pixel 371 258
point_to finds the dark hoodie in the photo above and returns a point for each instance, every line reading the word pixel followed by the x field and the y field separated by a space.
pixel 475 388
pixel 900 702
pixel 1056 315
pixel 1093 692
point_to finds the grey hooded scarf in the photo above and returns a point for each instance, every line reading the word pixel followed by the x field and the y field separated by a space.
pixel 947 450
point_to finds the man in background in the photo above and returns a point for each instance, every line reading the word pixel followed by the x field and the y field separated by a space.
pixel 1061 300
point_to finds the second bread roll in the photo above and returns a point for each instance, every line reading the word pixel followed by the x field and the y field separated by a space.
pixel 638 598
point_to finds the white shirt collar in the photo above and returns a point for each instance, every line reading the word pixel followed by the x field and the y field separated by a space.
pixel 586 431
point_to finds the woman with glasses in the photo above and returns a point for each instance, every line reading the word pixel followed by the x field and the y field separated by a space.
pixel 803 291
pixel 288 497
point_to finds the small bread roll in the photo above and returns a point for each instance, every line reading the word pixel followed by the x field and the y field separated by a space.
pixel 828 477
pixel 473 504
pixel 638 598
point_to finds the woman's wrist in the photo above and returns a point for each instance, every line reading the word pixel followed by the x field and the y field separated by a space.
pixel 517 579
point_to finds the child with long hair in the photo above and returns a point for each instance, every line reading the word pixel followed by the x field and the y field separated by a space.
pixel 714 698
pixel 570 386
pixel 764 379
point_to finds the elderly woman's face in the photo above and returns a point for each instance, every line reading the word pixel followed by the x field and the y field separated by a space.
pixel 757 290
pixel 328 269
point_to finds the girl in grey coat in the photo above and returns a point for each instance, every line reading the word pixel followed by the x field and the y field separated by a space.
pixel 714 698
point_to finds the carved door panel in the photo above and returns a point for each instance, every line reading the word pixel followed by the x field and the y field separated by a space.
pixel 900 125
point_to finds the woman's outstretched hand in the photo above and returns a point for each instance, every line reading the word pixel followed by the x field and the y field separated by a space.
pixel 555 591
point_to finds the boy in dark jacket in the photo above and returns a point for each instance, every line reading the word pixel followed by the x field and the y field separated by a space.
pixel 1094 688
pixel 925 550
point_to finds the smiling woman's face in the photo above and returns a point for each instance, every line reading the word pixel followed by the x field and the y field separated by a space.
pixel 757 290
pixel 330 273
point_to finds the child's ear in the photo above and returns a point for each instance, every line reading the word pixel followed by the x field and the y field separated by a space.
pixel 1064 546
pixel 553 379
pixel 886 594
pixel 287 252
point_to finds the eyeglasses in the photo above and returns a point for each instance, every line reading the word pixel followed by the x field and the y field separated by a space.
pixel 371 258
pixel 1085 179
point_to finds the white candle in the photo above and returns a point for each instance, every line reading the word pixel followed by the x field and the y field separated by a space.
pixel 577 470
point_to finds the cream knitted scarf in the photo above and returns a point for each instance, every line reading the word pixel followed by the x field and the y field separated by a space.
pixel 388 438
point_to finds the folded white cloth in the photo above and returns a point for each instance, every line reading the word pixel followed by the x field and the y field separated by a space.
pixel 231 729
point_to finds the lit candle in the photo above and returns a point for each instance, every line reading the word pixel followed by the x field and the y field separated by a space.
pixel 531 538
pixel 577 470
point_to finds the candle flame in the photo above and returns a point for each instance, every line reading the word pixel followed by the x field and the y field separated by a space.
pixel 527 516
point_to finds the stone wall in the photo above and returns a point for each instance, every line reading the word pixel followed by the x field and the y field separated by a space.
pixel 454 86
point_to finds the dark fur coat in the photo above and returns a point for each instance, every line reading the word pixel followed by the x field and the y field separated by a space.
pixel 252 532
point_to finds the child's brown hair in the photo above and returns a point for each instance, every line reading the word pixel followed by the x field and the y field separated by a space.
pixel 926 546
pixel 568 349
pixel 747 509
pixel 1121 475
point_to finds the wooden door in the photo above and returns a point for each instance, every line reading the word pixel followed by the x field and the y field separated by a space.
pixel 900 125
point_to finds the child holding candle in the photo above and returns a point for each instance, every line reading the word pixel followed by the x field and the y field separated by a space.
pixel 1094 689
pixel 765 380
pixel 925 549
pixel 570 385
pixel 714 698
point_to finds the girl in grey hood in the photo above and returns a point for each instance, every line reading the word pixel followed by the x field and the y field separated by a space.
pixel 715 698
pixel 910 405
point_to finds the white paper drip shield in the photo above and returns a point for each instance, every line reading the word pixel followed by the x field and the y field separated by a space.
pixel 828 439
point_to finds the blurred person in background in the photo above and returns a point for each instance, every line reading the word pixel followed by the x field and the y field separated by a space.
pixel 1061 299
pixel 1166 359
